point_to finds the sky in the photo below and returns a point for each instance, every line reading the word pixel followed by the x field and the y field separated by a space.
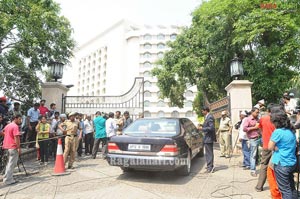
pixel 91 17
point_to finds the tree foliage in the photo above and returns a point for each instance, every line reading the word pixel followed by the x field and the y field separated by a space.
pixel 32 34
pixel 266 39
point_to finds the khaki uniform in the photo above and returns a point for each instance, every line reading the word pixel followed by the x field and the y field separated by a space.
pixel 224 136
pixel 71 141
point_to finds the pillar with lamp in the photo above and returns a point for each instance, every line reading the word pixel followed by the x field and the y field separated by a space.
pixel 56 69
pixel 54 91
pixel 236 67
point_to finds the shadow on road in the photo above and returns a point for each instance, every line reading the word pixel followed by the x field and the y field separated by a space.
pixel 163 177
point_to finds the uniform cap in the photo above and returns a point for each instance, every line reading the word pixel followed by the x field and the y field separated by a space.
pixel 63 115
pixel 72 113
pixel 262 101
pixel 243 113
pixel 223 113
pixel 257 106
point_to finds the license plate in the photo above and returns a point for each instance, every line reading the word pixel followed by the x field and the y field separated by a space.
pixel 141 147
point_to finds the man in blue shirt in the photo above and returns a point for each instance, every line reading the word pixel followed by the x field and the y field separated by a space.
pixel 100 134
pixel 32 120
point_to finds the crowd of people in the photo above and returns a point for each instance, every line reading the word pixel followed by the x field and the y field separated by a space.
pixel 273 128
pixel 41 127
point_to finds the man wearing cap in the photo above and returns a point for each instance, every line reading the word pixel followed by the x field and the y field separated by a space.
pixel 71 127
pixel 32 120
pixel 43 109
pixel 224 133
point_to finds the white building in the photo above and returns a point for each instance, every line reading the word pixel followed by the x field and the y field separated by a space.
pixel 108 64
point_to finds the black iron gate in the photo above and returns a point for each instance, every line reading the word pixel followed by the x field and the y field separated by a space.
pixel 132 101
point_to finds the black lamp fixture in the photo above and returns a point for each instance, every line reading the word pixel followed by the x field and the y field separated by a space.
pixel 236 67
pixel 57 69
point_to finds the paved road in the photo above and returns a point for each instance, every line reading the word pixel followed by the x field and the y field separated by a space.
pixel 94 178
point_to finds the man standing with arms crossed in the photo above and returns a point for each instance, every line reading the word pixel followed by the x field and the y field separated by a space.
pixel 224 133
pixel 208 129
pixel 11 143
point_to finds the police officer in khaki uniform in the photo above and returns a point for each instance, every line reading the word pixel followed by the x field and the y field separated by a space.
pixel 69 128
pixel 224 133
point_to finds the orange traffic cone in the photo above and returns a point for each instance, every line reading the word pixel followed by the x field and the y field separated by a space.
pixel 59 168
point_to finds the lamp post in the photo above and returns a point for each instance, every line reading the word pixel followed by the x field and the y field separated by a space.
pixel 56 69
pixel 236 67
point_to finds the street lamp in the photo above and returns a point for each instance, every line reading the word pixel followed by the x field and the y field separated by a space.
pixel 236 67
pixel 56 69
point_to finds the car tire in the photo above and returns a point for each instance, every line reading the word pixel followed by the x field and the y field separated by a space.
pixel 186 169
pixel 201 153
pixel 126 169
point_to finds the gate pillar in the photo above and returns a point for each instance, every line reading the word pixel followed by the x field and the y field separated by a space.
pixel 52 92
pixel 240 95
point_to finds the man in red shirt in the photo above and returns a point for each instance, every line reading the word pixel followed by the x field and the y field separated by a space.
pixel 267 129
pixel 43 109
pixel 11 143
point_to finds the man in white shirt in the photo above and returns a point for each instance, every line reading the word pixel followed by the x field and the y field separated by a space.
pixel 89 135
pixel 111 125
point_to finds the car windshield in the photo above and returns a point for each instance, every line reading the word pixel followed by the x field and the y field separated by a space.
pixel 153 128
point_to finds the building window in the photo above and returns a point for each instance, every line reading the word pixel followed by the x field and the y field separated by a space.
pixel 147 74
pixel 147 64
pixel 146 103
pixel 189 94
pixel 147 94
pixel 161 46
pixel 147 37
pixel 160 114
pixel 188 104
pixel 147 114
pixel 160 55
pixel 147 46
pixel 103 90
pixel 147 84
pixel 175 114
pixel 173 36
pixel 146 55
pixel 98 92
pixel 160 103
pixel 161 37
pixel 189 114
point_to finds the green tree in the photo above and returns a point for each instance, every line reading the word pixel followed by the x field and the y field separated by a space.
pixel 266 39
pixel 32 34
